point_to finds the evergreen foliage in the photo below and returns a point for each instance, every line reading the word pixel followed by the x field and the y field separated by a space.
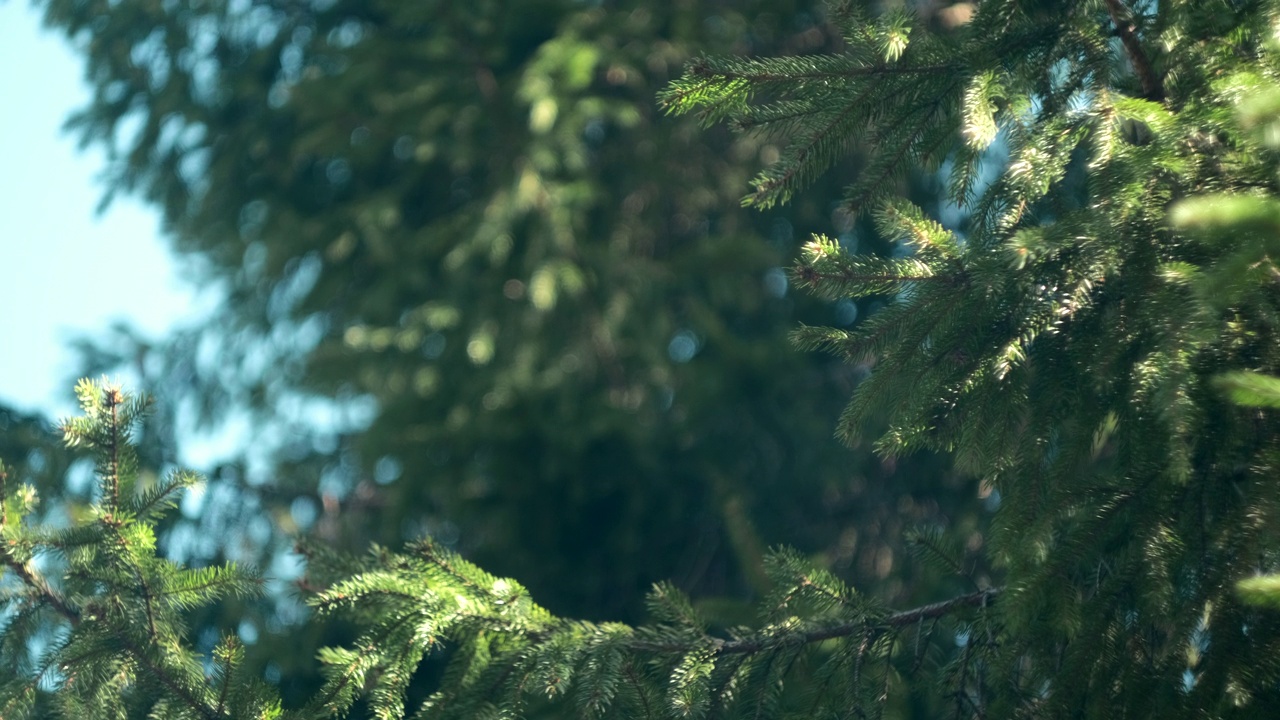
pixel 93 619
pixel 814 631
pixel 528 304
pixel 1065 342
pixel 1097 344
pixel 95 624
pixel 478 286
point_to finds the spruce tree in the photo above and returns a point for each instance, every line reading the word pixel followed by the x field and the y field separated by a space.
pixel 1076 344
pixel 468 229
pixel 572 338
pixel 1096 343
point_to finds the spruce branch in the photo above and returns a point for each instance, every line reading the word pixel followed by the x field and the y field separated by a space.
pixel 73 617
pixel 166 678
pixel 115 525
pixel 227 658
pixel 638 687
pixel 903 618
pixel 29 577
pixel 868 188
pixel 120 602
pixel 112 398
pixel 41 586
pixel 705 70
pixel 703 76
pixel 810 275
pixel 771 186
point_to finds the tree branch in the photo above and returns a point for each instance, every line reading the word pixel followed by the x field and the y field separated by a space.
pixel 896 620
pixel 764 76
pixel 46 591
pixel 1152 88
pixel 113 399
pixel 19 568
pixel 159 674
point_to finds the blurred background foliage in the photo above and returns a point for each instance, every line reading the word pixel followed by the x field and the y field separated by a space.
pixel 476 286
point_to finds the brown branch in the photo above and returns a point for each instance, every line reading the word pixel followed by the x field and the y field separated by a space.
pixel 1152 89
pixel 896 620
pixel 816 277
pixel 936 610
pixel 41 586
pixel 113 399
pixel 865 71
pixel 158 673
pixel 227 669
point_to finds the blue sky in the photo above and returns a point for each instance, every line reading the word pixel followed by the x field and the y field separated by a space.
pixel 55 251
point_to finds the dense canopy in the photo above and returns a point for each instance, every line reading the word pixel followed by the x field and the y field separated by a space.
pixel 1056 243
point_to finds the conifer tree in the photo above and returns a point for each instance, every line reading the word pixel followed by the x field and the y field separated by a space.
pixel 1070 344
pixel 475 216
pixel 467 229
pixel 1098 344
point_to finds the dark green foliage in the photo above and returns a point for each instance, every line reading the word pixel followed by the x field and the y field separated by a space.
pixel 1065 343
pixel 823 106
pixel 468 226
pixel 1096 343
pixel 815 633
pixel 95 624
pixel 478 286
